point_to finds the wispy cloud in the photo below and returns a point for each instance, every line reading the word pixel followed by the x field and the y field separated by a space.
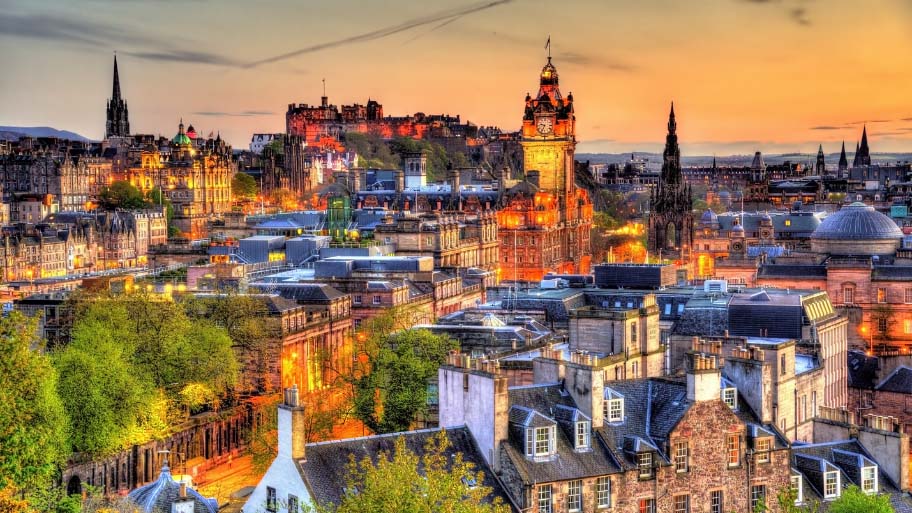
pixel 870 121
pixel 185 56
pixel 828 127
pixel 579 59
pixel 245 113
pixel 797 13
pixel 800 16
pixel 447 16
pixel 71 30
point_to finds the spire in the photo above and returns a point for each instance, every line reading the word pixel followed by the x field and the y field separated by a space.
pixel 821 161
pixel 843 161
pixel 864 152
pixel 115 93
pixel 672 125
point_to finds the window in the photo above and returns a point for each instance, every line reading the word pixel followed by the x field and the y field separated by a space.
pixel 635 370
pixel 799 490
pixel 763 449
pixel 682 504
pixel 882 325
pixel 881 294
pixel 376 300
pixel 582 435
pixel 788 222
pixel 271 502
pixel 907 326
pixel 647 506
pixel 614 410
pixel 733 444
pixel 633 330
pixel 758 495
pixel 681 454
pixel 869 479
pixel 544 499
pixel 644 463
pixel 542 441
pixel 358 299
pixel 730 397
pixel 716 502
pixel 575 495
pixel 814 403
pixel 848 295
pixel 830 484
pixel 292 504
pixel 603 492
pixel 783 369
pixel 908 295
pixel 667 308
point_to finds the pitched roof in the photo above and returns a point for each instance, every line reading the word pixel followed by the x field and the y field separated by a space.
pixel 862 370
pixel 326 468
pixel 899 381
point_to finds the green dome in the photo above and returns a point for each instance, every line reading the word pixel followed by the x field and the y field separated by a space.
pixel 181 139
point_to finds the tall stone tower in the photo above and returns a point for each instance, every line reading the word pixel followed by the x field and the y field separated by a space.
pixel 862 151
pixel 820 167
pixel 671 219
pixel 843 162
pixel 549 136
pixel 118 122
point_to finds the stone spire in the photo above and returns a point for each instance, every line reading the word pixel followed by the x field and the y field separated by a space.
pixel 821 162
pixel 672 193
pixel 864 153
pixel 118 119
pixel 843 161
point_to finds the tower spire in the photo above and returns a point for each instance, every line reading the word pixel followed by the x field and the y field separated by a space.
pixel 115 93
pixel 843 161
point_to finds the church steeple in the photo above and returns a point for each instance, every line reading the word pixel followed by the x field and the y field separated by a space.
pixel 821 162
pixel 671 219
pixel 864 152
pixel 118 119
pixel 671 168
pixel 843 161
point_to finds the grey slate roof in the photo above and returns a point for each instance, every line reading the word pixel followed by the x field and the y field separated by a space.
pixel 326 468
pixel 857 222
pixel 159 495
pixel 862 370
pixel 317 292
pixel 899 381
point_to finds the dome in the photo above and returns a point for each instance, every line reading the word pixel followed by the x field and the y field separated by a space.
pixel 160 494
pixel 191 132
pixel 709 217
pixel 181 139
pixel 857 222
pixel 549 74
pixel 856 229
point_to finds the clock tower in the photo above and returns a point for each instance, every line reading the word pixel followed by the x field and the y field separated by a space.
pixel 549 135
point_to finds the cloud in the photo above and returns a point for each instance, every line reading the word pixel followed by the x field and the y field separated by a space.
pixel 245 113
pixel 871 121
pixel 437 17
pixel 55 28
pixel 798 14
pixel 578 59
pixel 828 127
pixel 185 56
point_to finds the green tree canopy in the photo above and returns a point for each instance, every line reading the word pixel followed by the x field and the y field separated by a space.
pixel 404 481
pixel 33 423
pixel 391 388
pixel 244 186
pixel 853 500
pixel 122 194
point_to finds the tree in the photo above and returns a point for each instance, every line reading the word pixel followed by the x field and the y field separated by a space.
pixel 33 423
pixel 404 481
pixel 786 499
pixel 122 194
pixel 390 386
pixel 244 186
pixel 853 500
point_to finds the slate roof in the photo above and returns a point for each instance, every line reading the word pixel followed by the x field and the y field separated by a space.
pixel 317 292
pixel 899 381
pixel 857 222
pixel 792 271
pixel 892 272
pixel 159 495
pixel 325 470
pixel 567 463
pixel 862 370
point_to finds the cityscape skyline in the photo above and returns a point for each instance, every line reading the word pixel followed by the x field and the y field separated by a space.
pixel 239 84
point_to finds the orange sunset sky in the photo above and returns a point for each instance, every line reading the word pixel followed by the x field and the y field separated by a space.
pixel 745 75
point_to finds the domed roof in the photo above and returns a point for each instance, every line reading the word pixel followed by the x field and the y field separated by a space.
pixel 709 217
pixel 549 74
pixel 160 494
pixel 191 132
pixel 737 228
pixel 181 139
pixel 857 222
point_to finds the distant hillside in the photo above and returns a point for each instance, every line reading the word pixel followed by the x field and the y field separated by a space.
pixel 13 133
pixel 736 160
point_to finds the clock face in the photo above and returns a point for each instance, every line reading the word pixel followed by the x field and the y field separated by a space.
pixel 545 126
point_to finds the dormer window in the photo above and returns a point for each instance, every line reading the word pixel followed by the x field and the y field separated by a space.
pixel 582 435
pixel 540 441
pixel 613 406
pixel 797 485
pixel 831 484
pixel 730 397
pixel 764 445
pixel 644 465
pixel 869 479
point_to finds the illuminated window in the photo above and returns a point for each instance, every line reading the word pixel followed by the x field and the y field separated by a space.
pixel 881 295
pixel 647 506
pixel 733 444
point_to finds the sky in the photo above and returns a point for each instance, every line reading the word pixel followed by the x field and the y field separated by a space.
pixel 745 75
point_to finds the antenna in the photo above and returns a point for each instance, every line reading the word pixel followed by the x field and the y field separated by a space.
pixel 324 87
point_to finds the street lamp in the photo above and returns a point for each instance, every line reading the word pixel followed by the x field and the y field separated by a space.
pixel 870 333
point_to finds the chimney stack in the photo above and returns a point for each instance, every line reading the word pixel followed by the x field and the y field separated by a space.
pixel 291 426
pixel 703 377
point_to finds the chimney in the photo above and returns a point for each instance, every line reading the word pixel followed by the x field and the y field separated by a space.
pixel 355 185
pixel 400 180
pixel 183 490
pixel 703 377
pixel 291 426
pixel 586 384
pixel 454 178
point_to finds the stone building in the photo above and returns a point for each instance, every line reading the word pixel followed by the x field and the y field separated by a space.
pixel 574 442
pixel 671 223
pixel 881 386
